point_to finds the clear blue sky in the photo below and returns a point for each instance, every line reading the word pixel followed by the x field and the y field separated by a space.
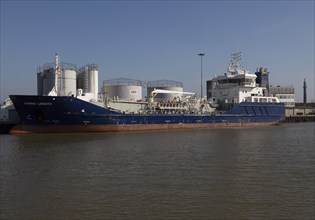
pixel 153 40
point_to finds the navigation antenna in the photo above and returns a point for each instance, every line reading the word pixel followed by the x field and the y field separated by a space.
pixel 236 56
pixel 234 65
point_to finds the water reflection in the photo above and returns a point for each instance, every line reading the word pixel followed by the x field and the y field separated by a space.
pixel 195 174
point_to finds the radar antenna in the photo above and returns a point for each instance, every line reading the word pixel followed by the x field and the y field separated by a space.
pixel 234 65
pixel 236 57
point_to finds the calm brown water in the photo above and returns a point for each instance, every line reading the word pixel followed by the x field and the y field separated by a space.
pixel 237 173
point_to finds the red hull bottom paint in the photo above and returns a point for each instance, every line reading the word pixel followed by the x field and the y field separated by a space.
pixel 27 129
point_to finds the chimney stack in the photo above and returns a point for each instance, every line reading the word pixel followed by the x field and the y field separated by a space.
pixel 304 94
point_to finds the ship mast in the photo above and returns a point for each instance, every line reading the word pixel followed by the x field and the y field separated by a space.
pixel 54 91
pixel 234 65
pixel 57 72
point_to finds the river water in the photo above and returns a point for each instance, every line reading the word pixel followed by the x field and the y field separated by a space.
pixel 226 173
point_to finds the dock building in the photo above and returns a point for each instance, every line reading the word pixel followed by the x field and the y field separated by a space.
pixel 284 93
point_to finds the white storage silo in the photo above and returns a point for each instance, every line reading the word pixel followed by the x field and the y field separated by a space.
pixel 45 81
pixel 68 82
pixel 88 79
pixel 165 85
pixel 123 89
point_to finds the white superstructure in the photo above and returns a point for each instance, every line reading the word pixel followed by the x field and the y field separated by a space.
pixel 237 85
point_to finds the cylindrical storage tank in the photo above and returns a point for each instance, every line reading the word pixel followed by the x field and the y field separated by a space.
pixel 88 79
pixel 45 80
pixel 165 85
pixel 93 82
pixel 123 89
pixel 68 82
pixel 40 83
pixel 80 81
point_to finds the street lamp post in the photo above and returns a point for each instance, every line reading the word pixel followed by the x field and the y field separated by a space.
pixel 201 55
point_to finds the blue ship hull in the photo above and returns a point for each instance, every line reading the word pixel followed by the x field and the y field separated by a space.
pixel 42 114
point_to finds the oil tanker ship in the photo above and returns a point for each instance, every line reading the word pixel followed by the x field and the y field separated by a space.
pixel 234 99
